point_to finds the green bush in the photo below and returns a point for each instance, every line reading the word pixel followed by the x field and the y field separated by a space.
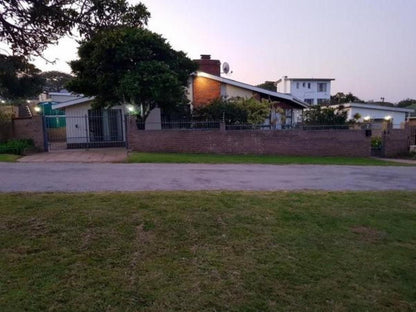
pixel 234 111
pixel 376 142
pixel 16 146
pixel 318 115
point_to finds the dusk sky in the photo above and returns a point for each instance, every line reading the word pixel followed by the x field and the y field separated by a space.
pixel 368 46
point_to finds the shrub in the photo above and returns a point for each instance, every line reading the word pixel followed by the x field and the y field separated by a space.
pixel 376 142
pixel 318 115
pixel 16 146
pixel 234 111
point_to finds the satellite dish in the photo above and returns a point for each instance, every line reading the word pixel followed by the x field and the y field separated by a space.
pixel 226 68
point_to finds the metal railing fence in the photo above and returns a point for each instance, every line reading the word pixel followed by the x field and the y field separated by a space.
pixel 212 125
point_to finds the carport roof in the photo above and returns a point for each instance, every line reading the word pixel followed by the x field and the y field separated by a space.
pixel 80 100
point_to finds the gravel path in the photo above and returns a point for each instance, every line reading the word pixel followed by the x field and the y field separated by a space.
pixel 79 177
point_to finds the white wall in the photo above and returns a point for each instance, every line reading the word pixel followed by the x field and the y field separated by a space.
pixel 77 123
pixel 153 120
pixel 303 92
pixel 232 91
pixel 77 126
pixel 397 117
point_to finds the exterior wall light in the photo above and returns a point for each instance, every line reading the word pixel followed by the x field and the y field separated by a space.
pixel 37 109
pixel 130 109
pixel 367 118
pixel 388 118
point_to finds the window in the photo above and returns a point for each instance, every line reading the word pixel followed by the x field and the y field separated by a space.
pixel 297 85
pixel 309 101
pixel 321 87
pixel 309 85
pixel 303 85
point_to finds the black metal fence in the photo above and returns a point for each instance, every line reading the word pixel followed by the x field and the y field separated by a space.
pixel 210 125
pixel 97 129
pixel 179 125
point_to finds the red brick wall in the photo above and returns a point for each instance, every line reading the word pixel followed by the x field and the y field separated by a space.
pixel 294 142
pixel 206 65
pixel 205 90
pixel 29 128
pixel 397 142
pixel 5 131
pixel 412 122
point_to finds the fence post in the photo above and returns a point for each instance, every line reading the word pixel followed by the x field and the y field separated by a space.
pixel 86 131
pixel 222 126
pixel 126 129
pixel 45 134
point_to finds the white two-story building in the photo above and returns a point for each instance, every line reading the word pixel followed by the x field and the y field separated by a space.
pixel 310 90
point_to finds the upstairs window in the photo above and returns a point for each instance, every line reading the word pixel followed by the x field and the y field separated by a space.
pixel 309 85
pixel 321 87
pixel 297 85
pixel 309 101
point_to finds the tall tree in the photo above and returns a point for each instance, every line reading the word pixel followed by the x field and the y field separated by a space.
pixel 268 85
pixel 55 81
pixel 131 65
pixel 29 26
pixel 18 78
pixel 341 98
pixel 406 103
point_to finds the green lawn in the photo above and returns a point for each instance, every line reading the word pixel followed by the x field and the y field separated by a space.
pixel 254 159
pixel 8 157
pixel 208 251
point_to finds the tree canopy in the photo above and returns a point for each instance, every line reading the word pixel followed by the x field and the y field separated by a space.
pixel 234 111
pixel 131 65
pixel 268 85
pixel 28 26
pixel 55 81
pixel 18 78
pixel 406 103
pixel 317 115
pixel 341 98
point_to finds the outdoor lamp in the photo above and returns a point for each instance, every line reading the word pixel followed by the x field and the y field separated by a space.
pixel 130 108
pixel 367 118
pixel 37 109
pixel 388 117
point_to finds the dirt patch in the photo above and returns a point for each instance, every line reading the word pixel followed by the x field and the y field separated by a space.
pixel 369 234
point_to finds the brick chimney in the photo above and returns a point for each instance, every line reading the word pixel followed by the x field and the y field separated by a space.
pixel 206 65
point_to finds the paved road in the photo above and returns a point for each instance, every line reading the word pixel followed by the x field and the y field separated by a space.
pixel 78 177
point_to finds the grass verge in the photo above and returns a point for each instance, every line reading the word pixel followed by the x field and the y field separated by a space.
pixel 8 157
pixel 254 159
pixel 208 251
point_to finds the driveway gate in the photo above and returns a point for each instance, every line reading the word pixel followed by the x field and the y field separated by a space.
pixel 100 128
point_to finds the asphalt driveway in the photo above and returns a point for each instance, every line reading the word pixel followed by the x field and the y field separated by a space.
pixel 81 177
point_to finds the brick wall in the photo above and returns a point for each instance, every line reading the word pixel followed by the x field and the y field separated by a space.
pixel 29 128
pixel 397 141
pixel 5 131
pixel 205 90
pixel 295 142
pixel 206 65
